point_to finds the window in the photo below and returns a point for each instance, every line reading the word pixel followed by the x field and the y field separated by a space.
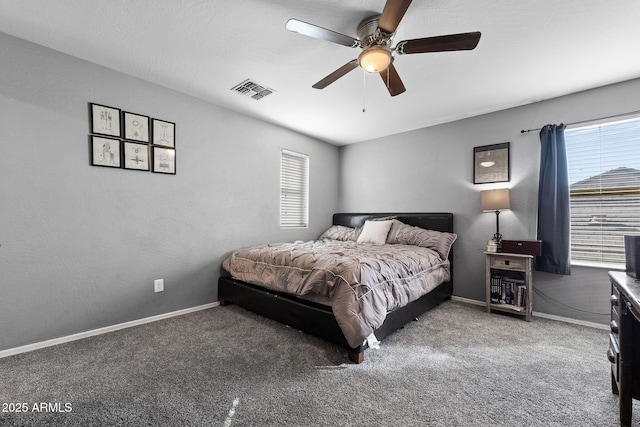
pixel 294 189
pixel 604 179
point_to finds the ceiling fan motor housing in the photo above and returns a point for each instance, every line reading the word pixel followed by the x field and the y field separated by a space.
pixel 370 35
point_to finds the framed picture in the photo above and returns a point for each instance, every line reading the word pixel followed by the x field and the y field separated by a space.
pixel 136 127
pixel 163 133
pixel 164 160
pixel 105 120
pixel 105 151
pixel 491 164
pixel 136 156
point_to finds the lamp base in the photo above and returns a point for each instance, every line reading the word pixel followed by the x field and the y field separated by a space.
pixel 498 239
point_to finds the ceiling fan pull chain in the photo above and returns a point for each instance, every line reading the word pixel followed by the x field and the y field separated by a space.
pixel 364 91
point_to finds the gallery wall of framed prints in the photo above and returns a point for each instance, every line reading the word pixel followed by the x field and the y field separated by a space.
pixel 127 140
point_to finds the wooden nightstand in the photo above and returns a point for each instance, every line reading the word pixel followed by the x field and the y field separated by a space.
pixel 509 282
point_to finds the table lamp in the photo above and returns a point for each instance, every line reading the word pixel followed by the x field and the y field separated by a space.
pixel 496 201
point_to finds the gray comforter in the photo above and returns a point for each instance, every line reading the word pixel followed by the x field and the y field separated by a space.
pixel 364 281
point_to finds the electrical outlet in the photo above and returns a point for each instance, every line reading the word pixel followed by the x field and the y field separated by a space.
pixel 158 285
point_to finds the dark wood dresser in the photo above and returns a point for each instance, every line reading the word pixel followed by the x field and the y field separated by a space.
pixel 624 342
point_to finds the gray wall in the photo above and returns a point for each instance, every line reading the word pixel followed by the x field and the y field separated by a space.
pixel 430 169
pixel 81 245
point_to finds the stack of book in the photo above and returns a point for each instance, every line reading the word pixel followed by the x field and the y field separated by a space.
pixel 508 290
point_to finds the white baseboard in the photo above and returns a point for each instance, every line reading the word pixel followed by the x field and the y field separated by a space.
pixel 542 315
pixel 574 321
pixel 106 329
pixel 468 300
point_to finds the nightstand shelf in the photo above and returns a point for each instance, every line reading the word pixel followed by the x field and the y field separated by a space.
pixel 509 283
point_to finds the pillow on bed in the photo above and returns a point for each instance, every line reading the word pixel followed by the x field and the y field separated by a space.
pixel 341 232
pixel 375 232
pixel 404 234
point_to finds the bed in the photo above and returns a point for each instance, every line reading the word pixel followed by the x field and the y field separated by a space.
pixel 356 309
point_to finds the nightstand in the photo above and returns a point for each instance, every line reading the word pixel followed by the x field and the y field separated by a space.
pixel 509 283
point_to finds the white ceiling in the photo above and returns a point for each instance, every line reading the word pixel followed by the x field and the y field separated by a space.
pixel 529 51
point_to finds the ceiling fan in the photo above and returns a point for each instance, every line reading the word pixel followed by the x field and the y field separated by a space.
pixel 375 34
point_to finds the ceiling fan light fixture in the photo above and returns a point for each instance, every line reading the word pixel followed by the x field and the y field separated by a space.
pixel 375 38
pixel 375 59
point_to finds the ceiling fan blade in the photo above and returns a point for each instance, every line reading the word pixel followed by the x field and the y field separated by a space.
pixel 314 31
pixel 451 42
pixel 392 14
pixel 392 81
pixel 349 66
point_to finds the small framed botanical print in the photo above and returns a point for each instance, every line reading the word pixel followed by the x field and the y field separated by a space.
pixel 105 120
pixel 163 133
pixel 164 160
pixel 105 151
pixel 136 156
pixel 136 127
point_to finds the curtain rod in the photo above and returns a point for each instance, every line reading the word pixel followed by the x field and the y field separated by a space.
pixel 587 121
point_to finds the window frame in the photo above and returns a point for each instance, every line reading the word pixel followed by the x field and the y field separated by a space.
pixel 602 192
pixel 294 189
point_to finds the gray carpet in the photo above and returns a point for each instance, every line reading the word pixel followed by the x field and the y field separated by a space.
pixel 455 366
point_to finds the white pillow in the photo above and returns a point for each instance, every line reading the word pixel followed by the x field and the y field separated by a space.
pixel 375 232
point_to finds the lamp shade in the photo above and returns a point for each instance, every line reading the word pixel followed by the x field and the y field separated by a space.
pixel 495 200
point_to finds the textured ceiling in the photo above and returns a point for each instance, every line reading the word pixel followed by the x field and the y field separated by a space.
pixel 529 51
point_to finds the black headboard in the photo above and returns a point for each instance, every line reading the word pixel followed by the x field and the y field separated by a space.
pixel 428 221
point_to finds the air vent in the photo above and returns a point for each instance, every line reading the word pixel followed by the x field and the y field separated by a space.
pixel 252 89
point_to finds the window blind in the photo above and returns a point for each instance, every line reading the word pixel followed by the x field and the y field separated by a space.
pixel 604 177
pixel 294 190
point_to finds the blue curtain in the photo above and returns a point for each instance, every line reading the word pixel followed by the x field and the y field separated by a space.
pixel 553 202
